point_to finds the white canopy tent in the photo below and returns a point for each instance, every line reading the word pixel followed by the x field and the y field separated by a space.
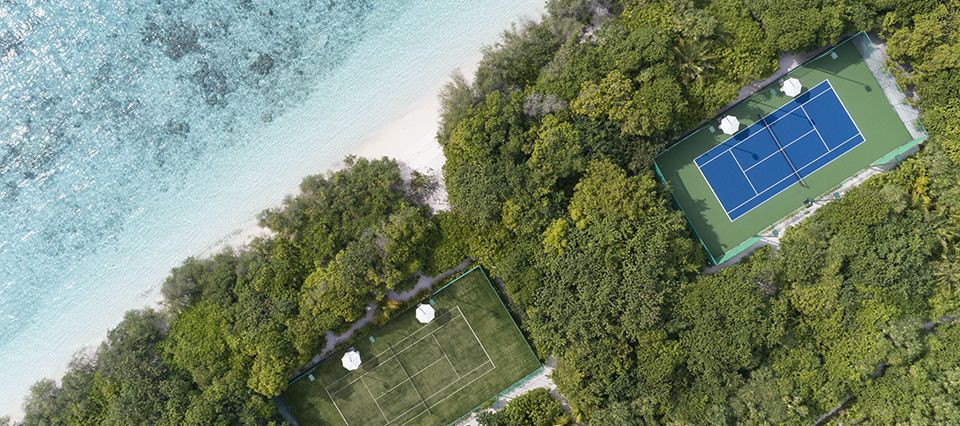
pixel 791 87
pixel 425 313
pixel 351 360
pixel 729 124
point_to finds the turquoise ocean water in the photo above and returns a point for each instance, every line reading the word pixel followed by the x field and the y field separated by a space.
pixel 136 133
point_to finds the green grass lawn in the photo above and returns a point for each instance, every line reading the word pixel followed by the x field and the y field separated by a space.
pixel 416 374
pixel 869 107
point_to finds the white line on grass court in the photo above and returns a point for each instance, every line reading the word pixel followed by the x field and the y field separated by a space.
pixel 445 355
pixel 766 125
pixel 478 341
pixel 373 397
pixel 411 377
pixel 452 393
pixel 490 360
pixel 441 391
pixel 382 362
pixel 459 314
pixel 337 407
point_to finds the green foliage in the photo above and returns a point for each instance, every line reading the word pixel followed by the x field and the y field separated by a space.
pixel 237 324
pixel 534 408
pixel 548 156
pixel 555 186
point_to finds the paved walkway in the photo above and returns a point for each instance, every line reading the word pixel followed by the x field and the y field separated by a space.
pixel 424 283
pixel 874 52
pixel 541 380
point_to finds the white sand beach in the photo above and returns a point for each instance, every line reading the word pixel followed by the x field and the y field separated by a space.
pixel 381 101
pixel 409 137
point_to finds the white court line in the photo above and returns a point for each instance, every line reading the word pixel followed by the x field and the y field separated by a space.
pixel 454 392
pixel 846 110
pixel 337 407
pixel 743 172
pixel 442 390
pixel 715 193
pixel 859 133
pixel 445 356
pixel 811 172
pixel 850 117
pixel 478 341
pixel 374 398
pixel 382 362
pixel 767 124
pixel 426 406
pixel 411 376
pixel 818 130
pixel 490 360
pixel 781 150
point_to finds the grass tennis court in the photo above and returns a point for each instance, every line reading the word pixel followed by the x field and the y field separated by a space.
pixel 421 374
pixel 793 149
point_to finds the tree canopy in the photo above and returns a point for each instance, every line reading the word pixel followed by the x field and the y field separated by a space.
pixel 549 152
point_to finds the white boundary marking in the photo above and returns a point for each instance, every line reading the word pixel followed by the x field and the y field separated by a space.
pixel 797 174
pixel 743 172
pixel 781 150
pixel 811 172
pixel 773 135
pixel 766 125
pixel 824 142
pixel 845 110
pixel 423 403
pixel 478 340
pixel 373 397
pixel 714 193
pixel 337 407
pixel 445 356
pixel 411 377
pixel 393 356
pixel 448 396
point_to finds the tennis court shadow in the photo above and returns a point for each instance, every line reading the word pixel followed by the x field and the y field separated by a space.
pixel 445 316
pixel 372 363
pixel 847 57
pixel 694 211
pixel 758 105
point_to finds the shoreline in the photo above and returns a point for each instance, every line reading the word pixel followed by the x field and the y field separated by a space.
pixel 392 113
pixel 409 137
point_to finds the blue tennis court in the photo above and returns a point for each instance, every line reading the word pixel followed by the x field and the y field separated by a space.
pixel 779 150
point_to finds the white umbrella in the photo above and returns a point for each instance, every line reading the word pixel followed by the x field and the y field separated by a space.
pixel 351 360
pixel 729 125
pixel 791 87
pixel 425 313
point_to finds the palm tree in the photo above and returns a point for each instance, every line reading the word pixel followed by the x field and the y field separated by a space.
pixel 384 312
pixel 695 58
pixel 948 272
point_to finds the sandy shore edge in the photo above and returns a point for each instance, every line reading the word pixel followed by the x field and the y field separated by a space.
pixel 409 137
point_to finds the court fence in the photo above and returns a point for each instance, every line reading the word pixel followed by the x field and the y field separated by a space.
pixel 287 413
pixel 874 55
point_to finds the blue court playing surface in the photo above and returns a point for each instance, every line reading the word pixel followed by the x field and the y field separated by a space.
pixel 779 150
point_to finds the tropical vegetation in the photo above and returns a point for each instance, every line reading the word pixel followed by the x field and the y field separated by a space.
pixel 549 150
